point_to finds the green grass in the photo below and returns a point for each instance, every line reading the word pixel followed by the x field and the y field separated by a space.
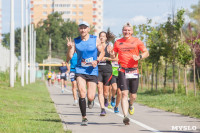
pixel 28 109
pixel 178 102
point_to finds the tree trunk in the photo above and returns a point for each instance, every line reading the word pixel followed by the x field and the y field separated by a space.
pixel 141 77
pixel 179 74
pixel 185 81
pixel 173 78
pixel 157 76
pixel 147 77
pixel 194 78
pixel 152 78
pixel 165 76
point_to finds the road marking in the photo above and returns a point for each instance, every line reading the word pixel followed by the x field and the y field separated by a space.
pixel 120 115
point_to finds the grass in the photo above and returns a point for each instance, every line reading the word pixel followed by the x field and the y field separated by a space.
pixel 28 109
pixel 168 101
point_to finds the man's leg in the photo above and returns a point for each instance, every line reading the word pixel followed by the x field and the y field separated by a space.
pixel 82 103
pixel 74 90
pixel 62 85
pixel 118 99
pixel 91 90
pixel 124 102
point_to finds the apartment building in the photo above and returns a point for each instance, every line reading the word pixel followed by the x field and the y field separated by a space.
pixel 74 10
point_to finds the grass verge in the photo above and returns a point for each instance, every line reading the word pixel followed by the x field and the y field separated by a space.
pixel 28 109
pixel 168 101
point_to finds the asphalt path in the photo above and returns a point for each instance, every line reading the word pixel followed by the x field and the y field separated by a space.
pixel 144 120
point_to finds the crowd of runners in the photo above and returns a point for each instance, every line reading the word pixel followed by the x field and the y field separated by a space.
pixel 95 64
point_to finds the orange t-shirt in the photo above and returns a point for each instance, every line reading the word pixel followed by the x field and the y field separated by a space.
pixel 126 49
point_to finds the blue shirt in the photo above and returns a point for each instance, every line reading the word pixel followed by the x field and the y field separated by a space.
pixel 63 69
pixel 86 53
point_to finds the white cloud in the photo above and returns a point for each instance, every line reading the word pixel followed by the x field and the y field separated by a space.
pixel 138 20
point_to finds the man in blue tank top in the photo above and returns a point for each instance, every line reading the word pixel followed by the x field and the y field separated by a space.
pixel 86 47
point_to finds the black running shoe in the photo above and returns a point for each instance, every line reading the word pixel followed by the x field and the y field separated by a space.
pixel 90 104
pixel 126 120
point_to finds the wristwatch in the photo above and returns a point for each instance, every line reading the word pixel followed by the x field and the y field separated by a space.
pixel 140 56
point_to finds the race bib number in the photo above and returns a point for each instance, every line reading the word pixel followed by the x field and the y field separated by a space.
pixel 102 63
pixel 131 74
pixel 72 75
pixel 87 62
pixel 62 74
pixel 115 64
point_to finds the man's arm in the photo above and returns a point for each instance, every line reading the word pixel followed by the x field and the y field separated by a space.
pixel 70 49
pixel 68 67
pixel 144 55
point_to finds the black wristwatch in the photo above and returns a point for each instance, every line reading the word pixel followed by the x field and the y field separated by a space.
pixel 140 56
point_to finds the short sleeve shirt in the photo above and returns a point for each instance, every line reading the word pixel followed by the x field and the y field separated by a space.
pixel 126 49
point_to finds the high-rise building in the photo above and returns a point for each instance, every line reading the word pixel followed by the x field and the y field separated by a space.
pixel 74 10
pixel 0 22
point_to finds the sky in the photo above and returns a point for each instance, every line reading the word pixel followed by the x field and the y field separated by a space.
pixel 116 12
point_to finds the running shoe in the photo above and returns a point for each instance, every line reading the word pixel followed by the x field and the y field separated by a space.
pixel 113 102
pixel 126 120
pixel 116 110
pixel 90 104
pixel 103 112
pixel 106 102
pixel 75 102
pixel 84 122
pixel 131 109
pixel 62 91
pixel 109 106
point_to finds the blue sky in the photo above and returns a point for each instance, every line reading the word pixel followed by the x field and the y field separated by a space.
pixel 116 12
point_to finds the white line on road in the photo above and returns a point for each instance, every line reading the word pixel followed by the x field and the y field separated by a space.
pixel 120 115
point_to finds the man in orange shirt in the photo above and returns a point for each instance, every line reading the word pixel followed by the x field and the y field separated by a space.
pixel 128 49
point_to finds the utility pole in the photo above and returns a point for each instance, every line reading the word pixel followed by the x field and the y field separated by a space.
pixel 30 48
pixel 12 46
pixel 34 56
pixel 26 42
pixel 22 43
pixel 50 53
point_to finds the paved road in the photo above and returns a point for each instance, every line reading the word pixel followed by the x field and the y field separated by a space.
pixel 145 119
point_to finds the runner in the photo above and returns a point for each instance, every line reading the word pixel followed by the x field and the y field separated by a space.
pixel 115 86
pixel 53 77
pixel 49 77
pixel 86 46
pixel 58 77
pixel 105 72
pixel 64 69
pixel 128 49
pixel 73 63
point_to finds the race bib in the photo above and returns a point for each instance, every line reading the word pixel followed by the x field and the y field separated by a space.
pixel 62 74
pixel 87 62
pixel 131 74
pixel 115 64
pixel 72 75
pixel 102 63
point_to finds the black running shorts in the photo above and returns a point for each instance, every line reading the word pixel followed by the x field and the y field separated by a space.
pixel 88 78
pixel 105 78
pixel 128 84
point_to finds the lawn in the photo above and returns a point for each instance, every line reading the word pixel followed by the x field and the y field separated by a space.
pixel 178 102
pixel 28 109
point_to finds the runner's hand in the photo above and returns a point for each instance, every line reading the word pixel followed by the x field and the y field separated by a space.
pixel 70 44
pixel 94 63
pixel 136 58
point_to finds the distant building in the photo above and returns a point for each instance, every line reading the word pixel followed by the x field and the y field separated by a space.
pixel 74 10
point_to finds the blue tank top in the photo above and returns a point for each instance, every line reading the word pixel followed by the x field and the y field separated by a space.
pixel 73 62
pixel 86 53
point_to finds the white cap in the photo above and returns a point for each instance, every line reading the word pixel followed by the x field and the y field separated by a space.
pixel 84 23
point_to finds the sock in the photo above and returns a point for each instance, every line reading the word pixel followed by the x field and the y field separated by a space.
pixel 82 105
